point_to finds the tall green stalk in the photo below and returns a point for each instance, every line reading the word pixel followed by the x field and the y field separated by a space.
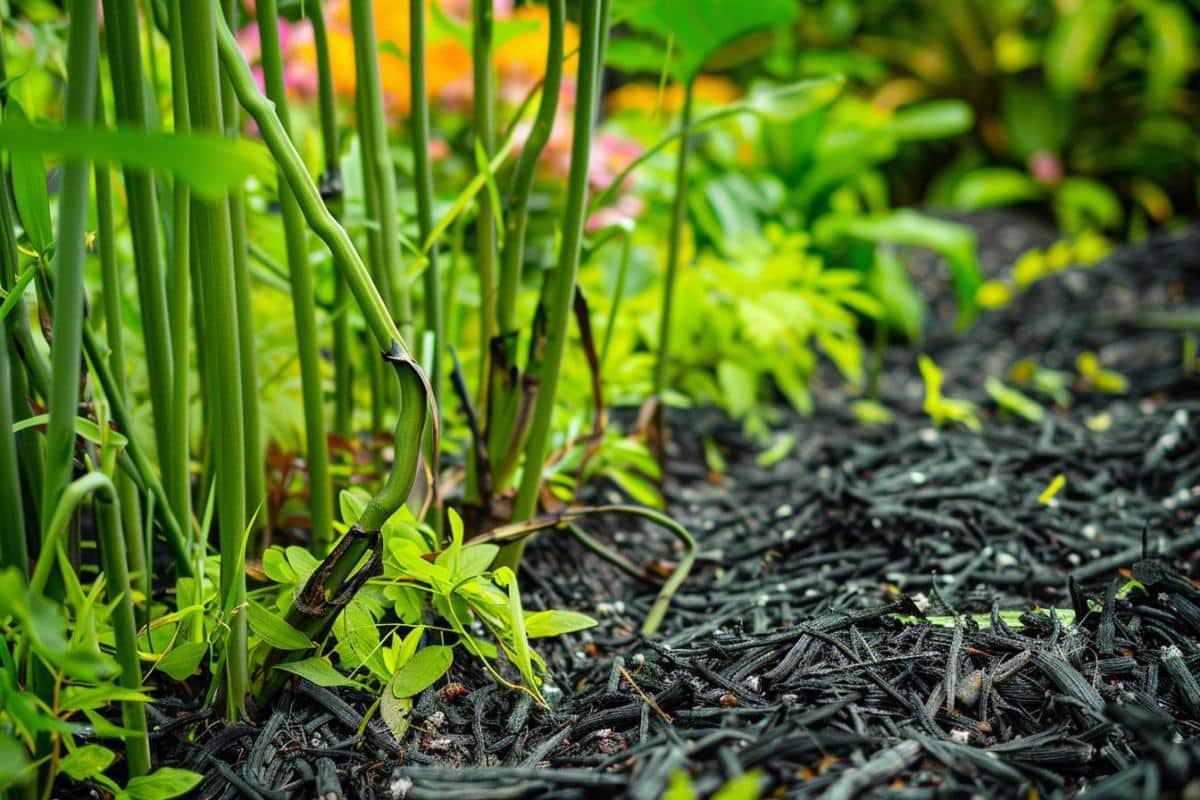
pixel 423 177
pixel 213 236
pixel 129 92
pixel 65 347
pixel 303 298
pixel 485 222
pixel 503 407
pixel 13 548
pixel 178 290
pixel 135 545
pixel 378 159
pixel 119 589
pixel 253 445
pixel 674 237
pixel 561 290
pixel 331 193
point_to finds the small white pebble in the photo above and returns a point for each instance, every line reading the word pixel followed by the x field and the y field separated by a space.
pixel 1074 559
pixel 1089 531
pixel 928 436
pixel 917 477
pixel 784 510
pixel 960 735
pixel 398 789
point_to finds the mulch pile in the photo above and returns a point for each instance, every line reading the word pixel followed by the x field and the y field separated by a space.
pixel 889 610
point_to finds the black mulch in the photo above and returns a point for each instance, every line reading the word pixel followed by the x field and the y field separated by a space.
pixel 786 651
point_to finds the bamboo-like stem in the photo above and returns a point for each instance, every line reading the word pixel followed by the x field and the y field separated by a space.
pixel 178 291
pixel 502 406
pixel 674 237
pixel 485 221
pixel 213 235
pixel 135 545
pixel 423 178
pixel 129 92
pixel 517 217
pixel 13 548
pixel 331 193
pixel 65 355
pixel 561 292
pixel 303 298
pixel 119 589
pixel 617 295
pixel 138 460
pixel 377 157
pixel 253 445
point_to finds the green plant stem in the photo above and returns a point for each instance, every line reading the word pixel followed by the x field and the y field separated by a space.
pixel 129 92
pixel 516 532
pixel 13 549
pixel 674 239
pixel 485 222
pixel 135 546
pixel 178 291
pixel 517 218
pixel 255 451
pixel 331 193
pixel 561 291
pixel 618 294
pixel 304 311
pixel 414 393
pixel 423 177
pixel 378 159
pixel 120 591
pixel 139 461
pixel 65 355
pixel 213 235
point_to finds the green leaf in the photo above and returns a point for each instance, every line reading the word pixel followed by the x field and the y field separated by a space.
pixel 1172 49
pixel 746 786
pixel 14 762
pixel 889 281
pixel 954 242
pixel 935 119
pixel 318 670
pixel 786 103
pixel 1014 401
pixel 183 660
pixel 700 28
pixel 276 566
pixel 274 630
pixel 211 165
pixel 1076 44
pixel 422 670
pixel 163 784
pixel 29 185
pixel 84 428
pixel 540 624
pixel 989 187
pixel 396 711
pixel 87 761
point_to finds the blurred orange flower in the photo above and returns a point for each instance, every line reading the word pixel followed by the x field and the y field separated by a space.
pixel 519 59
pixel 645 96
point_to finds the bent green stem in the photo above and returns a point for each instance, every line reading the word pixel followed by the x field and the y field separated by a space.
pixel 510 535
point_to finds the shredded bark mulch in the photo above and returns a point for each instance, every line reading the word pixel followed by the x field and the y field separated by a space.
pixel 892 611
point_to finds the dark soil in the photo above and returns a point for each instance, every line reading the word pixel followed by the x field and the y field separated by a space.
pixel 785 651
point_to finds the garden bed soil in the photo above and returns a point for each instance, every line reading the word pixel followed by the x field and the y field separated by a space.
pixel 798 646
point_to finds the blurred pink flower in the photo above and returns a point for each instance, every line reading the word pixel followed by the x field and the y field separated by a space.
pixel 627 208
pixel 1045 168
pixel 299 76
pixel 610 155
